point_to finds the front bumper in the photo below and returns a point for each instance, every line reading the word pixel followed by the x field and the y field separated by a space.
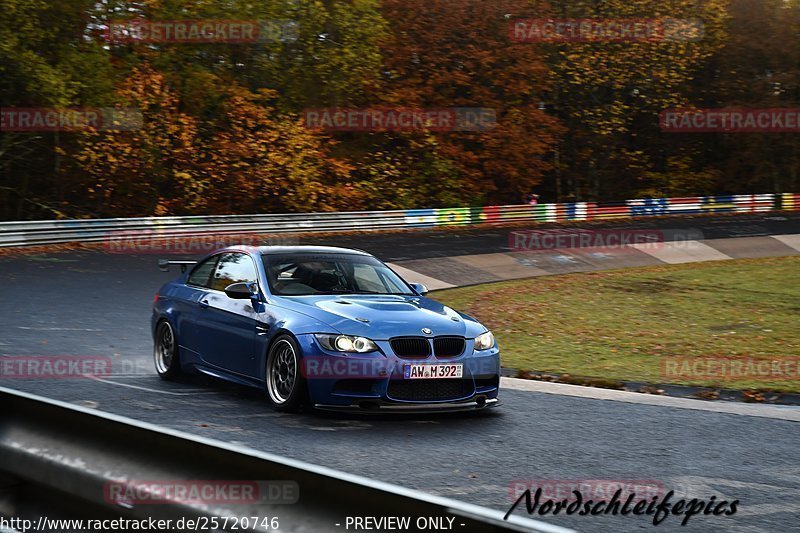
pixel 374 382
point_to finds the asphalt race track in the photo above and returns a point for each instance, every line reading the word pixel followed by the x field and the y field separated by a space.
pixel 91 303
pixel 481 240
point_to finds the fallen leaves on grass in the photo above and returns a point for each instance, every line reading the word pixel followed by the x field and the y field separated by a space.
pixel 707 395
pixel 600 383
pixel 650 389
pixel 752 396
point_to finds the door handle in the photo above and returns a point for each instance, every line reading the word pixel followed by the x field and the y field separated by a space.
pixel 204 303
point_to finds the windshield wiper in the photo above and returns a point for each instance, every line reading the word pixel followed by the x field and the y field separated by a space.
pixel 346 291
pixel 334 291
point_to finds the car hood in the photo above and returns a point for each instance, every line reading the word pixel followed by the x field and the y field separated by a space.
pixel 381 317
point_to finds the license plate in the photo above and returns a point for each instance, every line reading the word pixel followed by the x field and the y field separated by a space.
pixel 433 371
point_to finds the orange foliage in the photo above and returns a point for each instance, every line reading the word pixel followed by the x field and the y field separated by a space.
pixel 456 53
pixel 247 160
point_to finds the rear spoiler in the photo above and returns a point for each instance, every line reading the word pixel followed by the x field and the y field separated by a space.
pixel 163 264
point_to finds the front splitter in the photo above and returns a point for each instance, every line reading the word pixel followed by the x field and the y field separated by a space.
pixel 374 407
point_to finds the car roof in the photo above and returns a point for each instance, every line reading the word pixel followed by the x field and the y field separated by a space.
pixel 274 250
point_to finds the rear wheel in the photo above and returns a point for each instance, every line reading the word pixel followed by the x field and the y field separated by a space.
pixel 286 388
pixel 165 352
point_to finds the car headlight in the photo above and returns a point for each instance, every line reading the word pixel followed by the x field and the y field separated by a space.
pixel 485 341
pixel 346 343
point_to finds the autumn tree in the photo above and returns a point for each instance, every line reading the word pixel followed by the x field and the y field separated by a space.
pixel 47 59
pixel 610 93
pixel 258 161
pixel 758 67
pixel 147 170
pixel 248 159
pixel 456 53
pixel 404 171
pixel 311 52
pixel 221 129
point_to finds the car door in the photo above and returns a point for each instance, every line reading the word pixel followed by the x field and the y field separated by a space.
pixel 187 303
pixel 228 326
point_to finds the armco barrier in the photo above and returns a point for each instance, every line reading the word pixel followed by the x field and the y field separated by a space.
pixel 790 201
pixel 99 230
pixel 76 453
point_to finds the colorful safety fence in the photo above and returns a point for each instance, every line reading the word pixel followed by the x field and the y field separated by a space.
pixel 730 203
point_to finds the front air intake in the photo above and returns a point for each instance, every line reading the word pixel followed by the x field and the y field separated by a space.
pixel 448 346
pixel 411 347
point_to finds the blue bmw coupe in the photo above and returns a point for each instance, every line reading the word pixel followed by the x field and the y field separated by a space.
pixel 330 328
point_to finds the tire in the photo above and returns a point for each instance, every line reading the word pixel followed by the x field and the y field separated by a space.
pixel 285 386
pixel 165 352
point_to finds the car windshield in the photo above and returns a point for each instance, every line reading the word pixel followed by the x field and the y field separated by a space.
pixel 314 273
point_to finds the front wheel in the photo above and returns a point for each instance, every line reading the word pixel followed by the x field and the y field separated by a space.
pixel 165 352
pixel 286 388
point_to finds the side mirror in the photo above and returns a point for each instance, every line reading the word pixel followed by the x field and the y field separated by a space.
pixel 239 291
pixel 420 289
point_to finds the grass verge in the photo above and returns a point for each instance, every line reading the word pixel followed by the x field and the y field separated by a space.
pixel 630 324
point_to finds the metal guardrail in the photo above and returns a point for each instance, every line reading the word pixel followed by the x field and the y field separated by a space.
pixel 29 233
pixel 75 452
pixel 101 230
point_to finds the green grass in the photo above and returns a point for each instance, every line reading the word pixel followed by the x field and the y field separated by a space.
pixel 621 324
